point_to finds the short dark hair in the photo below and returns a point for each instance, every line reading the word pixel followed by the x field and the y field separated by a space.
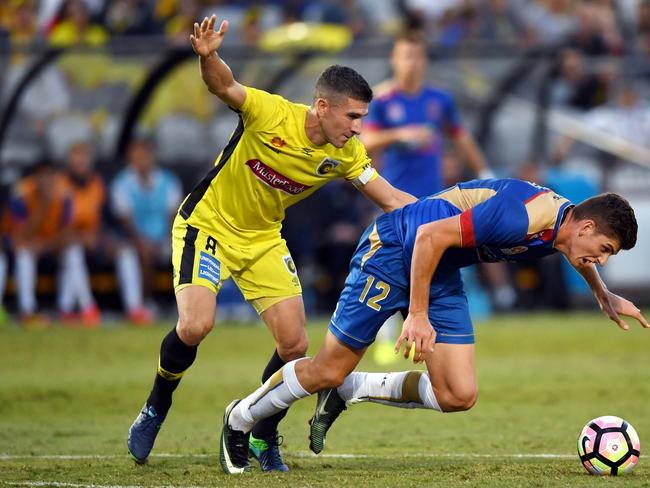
pixel 340 80
pixel 412 36
pixel 613 216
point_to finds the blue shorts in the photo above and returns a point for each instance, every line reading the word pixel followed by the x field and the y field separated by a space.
pixel 377 287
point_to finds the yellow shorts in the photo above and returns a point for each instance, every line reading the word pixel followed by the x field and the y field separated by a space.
pixel 265 273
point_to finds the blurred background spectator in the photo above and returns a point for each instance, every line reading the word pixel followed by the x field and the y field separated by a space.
pixel 72 25
pixel 87 195
pixel 4 265
pixel 145 199
pixel 576 88
pixel 627 115
pixel 553 90
pixel 41 229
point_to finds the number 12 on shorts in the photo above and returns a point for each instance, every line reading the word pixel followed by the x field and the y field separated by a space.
pixel 373 301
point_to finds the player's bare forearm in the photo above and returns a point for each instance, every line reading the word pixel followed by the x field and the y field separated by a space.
pixel 471 153
pixel 399 200
pixel 426 257
pixel 431 242
pixel 385 196
pixel 215 72
pixel 591 276
pixel 219 79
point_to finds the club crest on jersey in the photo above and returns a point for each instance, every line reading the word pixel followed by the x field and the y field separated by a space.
pixel 514 250
pixel 288 262
pixel 278 142
pixel 327 165
pixel 544 235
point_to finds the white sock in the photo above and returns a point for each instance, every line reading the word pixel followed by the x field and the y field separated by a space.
pixel 26 280
pixel 67 292
pixel 3 275
pixel 404 389
pixel 79 275
pixel 74 285
pixel 127 266
pixel 276 394
pixel 426 393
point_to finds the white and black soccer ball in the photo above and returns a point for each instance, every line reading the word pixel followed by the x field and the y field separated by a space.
pixel 609 445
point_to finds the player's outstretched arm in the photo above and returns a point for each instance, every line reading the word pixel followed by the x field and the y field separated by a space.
pixel 472 155
pixel 611 304
pixel 215 72
pixel 431 242
pixel 385 195
pixel 614 306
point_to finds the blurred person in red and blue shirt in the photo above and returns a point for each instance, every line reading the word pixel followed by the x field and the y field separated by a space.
pixel 408 120
pixel 405 133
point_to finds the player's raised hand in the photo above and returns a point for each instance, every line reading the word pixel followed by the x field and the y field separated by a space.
pixel 205 39
pixel 614 306
pixel 417 332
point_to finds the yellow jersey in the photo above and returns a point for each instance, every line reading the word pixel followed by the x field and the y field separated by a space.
pixel 268 165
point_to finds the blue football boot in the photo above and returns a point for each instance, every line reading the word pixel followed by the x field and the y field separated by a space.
pixel 267 452
pixel 143 432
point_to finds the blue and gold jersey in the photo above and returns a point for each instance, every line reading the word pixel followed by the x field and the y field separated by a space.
pixel 500 220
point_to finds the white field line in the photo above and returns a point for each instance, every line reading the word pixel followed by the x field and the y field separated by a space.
pixel 428 455
pixel 63 484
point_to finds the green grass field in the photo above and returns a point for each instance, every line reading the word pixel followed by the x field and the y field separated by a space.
pixel 67 398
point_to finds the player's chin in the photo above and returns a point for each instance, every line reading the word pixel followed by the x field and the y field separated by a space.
pixel 344 140
pixel 581 263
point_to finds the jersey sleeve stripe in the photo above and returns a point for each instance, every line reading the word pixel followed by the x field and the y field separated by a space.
pixel 199 190
pixel 467 229
pixel 456 131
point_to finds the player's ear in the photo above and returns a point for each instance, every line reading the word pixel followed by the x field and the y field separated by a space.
pixel 586 226
pixel 322 106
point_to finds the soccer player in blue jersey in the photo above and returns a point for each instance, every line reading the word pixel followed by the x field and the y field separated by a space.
pixel 409 122
pixel 409 260
pixel 408 125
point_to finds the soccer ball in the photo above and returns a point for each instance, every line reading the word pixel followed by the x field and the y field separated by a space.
pixel 608 445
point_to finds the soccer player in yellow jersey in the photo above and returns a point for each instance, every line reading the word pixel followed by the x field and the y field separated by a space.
pixel 229 225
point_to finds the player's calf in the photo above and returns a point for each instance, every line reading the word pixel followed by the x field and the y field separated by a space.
pixel 457 400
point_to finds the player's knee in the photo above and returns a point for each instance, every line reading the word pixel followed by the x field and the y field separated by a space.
pixel 194 326
pixel 458 399
pixel 322 375
pixel 331 378
pixel 291 348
